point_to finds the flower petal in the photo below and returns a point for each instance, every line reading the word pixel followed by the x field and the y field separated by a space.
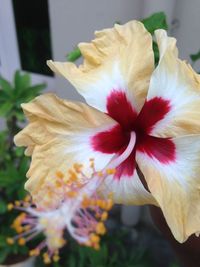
pixel 120 58
pixel 176 185
pixel 127 190
pixel 58 135
pixel 175 83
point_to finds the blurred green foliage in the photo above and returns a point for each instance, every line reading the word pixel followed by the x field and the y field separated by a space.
pixel 13 163
pixel 155 22
pixel 195 58
pixel 117 250
pixel 114 252
pixel 74 55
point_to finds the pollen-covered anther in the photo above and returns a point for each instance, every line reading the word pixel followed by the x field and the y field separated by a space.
pixel 17 203
pixel 94 238
pixel 78 167
pixel 46 258
pixel 21 241
pixel 59 174
pixel 109 204
pixel 100 228
pixel 111 171
pixel 104 216
pixel 72 194
pixel 92 165
pixel 10 206
pixel 27 198
pixel 100 174
pixel 56 258
pixel 34 221
pixel 72 176
pixel 34 252
pixel 10 241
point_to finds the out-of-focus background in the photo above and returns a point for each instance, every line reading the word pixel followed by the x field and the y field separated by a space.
pixel 66 23
pixel 33 31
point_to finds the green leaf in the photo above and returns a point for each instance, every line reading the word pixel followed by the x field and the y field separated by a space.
pixel 156 53
pixel 21 81
pixel 3 207
pixel 20 115
pixel 5 108
pixel 36 89
pixel 19 151
pixel 5 85
pixel 29 93
pixel 155 21
pixel 2 241
pixel 3 254
pixel 195 57
pixel 74 55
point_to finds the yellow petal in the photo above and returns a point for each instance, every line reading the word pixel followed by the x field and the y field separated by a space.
pixel 127 190
pixel 176 185
pixel 174 81
pixel 119 58
pixel 57 136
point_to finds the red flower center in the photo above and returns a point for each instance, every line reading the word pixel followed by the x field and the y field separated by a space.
pixel 116 139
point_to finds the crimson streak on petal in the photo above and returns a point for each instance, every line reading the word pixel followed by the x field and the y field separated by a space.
pixel 121 110
pixel 115 140
pixel 163 149
pixel 152 112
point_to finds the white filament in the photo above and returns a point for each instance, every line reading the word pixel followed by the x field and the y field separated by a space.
pixel 118 160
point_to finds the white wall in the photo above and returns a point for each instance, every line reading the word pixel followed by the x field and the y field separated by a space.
pixel 75 21
pixel 187 12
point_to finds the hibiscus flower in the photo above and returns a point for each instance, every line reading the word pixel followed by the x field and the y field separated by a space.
pixel 140 120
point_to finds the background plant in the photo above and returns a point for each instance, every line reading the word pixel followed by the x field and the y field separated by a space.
pixel 13 163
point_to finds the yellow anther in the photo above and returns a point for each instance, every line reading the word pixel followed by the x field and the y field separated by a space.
pixel 21 241
pixel 59 174
pixel 100 174
pixel 56 258
pixel 104 216
pixel 77 167
pixel 91 159
pixel 110 171
pixel 73 176
pixel 27 228
pixel 88 244
pixel 10 206
pixel 72 194
pixel 18 229
pixel 110 195
pixel 94 238
pixel 109 204
pixel 34 252
pixel 10 241
pixel 102 204
pixel 46 258
pixel 85 202
pixel 17 203
pixel 58 184
pixel 99 202
pixel 96 246
pixel 27 198
pixel 92 164
pixel 100 228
